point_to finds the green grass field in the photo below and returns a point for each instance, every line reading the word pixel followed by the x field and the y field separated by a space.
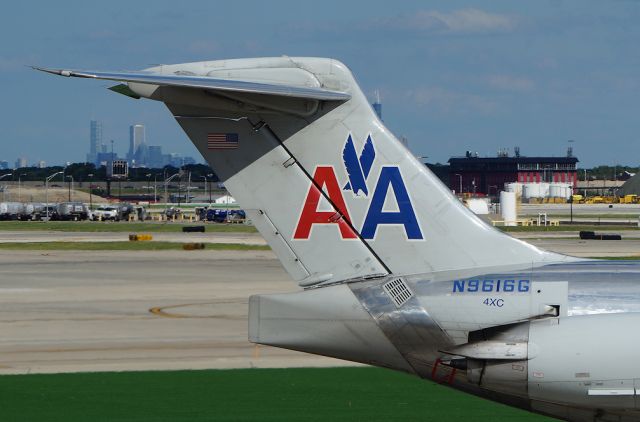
pixel 108 226
pixel 334 394
pixel 120 246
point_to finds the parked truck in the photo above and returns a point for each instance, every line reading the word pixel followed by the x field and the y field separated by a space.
pixel 11 210
pixel 74 211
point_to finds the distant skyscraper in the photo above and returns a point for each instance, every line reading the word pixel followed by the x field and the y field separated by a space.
pixel 4 165
pixel 21 162
pixel 155 158
pixel 377 105
pixel 42 164
pixel 95 140
pixel 136 141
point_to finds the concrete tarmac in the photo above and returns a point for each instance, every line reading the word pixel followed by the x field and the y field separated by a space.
pixel 72 311
pixel 113 311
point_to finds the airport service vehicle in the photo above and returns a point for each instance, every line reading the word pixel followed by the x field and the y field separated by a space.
pixel 74 211
pixel 125 209
pixel 106 212
pixel 396 271
pixel 33 210
pixel 222 215
pixel 172 212
pixel 11 210
pixel 45 212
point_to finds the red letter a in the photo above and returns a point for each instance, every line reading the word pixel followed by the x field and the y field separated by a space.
pixel 325 177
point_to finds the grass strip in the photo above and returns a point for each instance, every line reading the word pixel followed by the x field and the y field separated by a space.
pixel 302 394
pixel 579 215
pixel 109 226
pixel 121 246
pixel 565 228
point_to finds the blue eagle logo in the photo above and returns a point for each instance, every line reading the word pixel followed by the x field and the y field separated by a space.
pixel 358 168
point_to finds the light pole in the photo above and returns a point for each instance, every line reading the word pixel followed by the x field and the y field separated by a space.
pixel 19 181
pixel 210 175
pixel 90 175
pixel 46 192
pixel 460 177
pixel 186 199
pixel 70 177
pixel 205 185
pixel 148 184
pixel 155 186
pixel 4 190
pixel 166 197
pixel 571 203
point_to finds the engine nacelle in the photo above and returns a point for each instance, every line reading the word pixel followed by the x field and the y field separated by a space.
pixel 566 363
pixel 559 360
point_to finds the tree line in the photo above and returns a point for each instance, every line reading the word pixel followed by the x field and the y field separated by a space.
pixel 87 172
pixel 616 172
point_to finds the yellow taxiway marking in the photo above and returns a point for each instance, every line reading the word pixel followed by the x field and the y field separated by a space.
pixel 162 310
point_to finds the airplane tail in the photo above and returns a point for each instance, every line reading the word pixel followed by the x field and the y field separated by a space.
pixel 330 188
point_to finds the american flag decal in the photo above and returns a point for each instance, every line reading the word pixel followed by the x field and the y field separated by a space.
pixel 222 141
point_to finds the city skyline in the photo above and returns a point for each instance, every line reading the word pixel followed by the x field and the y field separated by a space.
pixel 140 153
pixel 453 76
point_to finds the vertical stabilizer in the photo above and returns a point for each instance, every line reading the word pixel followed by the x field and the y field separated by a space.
pixel 335 194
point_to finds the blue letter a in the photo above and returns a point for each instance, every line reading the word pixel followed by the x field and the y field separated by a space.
pixel 390 176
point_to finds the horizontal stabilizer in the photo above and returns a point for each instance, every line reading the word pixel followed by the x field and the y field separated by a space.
pixel 200 82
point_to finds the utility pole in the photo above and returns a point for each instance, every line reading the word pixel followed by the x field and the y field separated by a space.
pixel 166 197
pixel 46 192
pixel 19 187
pixel 4 190
pixel 210 176
pixel 70 184
pixel 186 199
pixel 90 191
pixel 205 185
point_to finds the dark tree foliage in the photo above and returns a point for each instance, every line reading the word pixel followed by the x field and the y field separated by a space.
pixel 86 171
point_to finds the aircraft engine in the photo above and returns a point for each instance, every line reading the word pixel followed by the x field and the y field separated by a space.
pixel 558 360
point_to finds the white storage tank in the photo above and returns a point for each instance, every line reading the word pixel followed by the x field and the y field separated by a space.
pixel 479 206
pixel 544 190
pixel 514 187
pixel 531 190
pixel 556 190
pixel 508 208
pixel 535 190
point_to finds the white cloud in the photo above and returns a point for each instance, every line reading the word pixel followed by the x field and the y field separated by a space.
pixel 511 83
pixel 463 21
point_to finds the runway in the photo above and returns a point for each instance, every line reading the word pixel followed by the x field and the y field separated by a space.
pixel 74 311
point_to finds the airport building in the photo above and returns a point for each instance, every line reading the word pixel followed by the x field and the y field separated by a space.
pixel 489 175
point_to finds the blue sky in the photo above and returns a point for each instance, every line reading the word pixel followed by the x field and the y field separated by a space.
pixel 454 75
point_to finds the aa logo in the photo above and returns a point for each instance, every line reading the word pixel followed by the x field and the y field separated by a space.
pixel 358 168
